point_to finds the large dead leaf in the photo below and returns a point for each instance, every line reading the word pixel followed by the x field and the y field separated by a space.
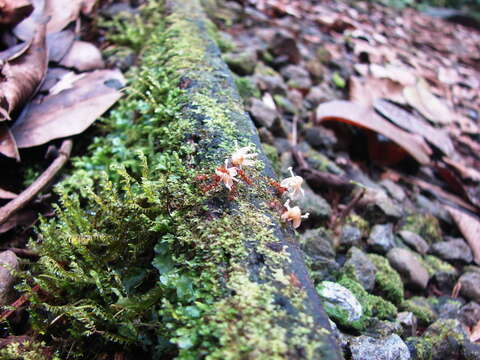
pixel 83 56
pixel 365 117
pixel 420 97
pixel 8 146
pixel 367 89
pixel 14 11
pixel 59 44
pixel 408 122
pixel 399 74
pixel 4 194
pixel 69 112
pixel 61 13
pixel 22 76
pixel 469 227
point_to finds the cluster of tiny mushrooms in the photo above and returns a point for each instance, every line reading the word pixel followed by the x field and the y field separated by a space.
pixel 243 157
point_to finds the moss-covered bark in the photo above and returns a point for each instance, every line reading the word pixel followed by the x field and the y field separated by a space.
pixel 226 279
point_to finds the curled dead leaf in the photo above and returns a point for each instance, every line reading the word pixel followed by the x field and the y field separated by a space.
pixel 469 226
pixel 8 146
pixel 69 112
pixel 14 11
pixel 22 76
pixel 364 117
pixel 83 56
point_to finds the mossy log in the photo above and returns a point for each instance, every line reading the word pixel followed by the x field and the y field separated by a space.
pixel 271 264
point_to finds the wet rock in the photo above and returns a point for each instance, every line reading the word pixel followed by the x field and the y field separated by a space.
pixel 388 348
pixel 425 225
pixel 269 80
pixel 317 243
pixel 284 44
pixel 361 267
pixel 382 328
pixel 471 351
pixel 469 314
pixel 315 205
pixel 433 207
pixel 8 262
pixel 378 207
pixel 339 303
pixel 263 115
pixel 297 77
pixel 411 270
pixel 285 105
pixel 408 321
pixel 266 136
pixel 316 70
pixel 443 274
pixel 470 283
pixel 447 338
pixel 320 137
pixel 447 307
pixel 318 161
pixel 381 238
pixel 395 190
pixel 415 241
pixel 453 250
pixel 241 63
pixel 422 308
pixel 350 236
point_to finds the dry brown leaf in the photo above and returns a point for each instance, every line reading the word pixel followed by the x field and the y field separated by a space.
pixel 358 115
pixel 83 56
pixel 398 74
pixel 66 82
pixel 368 89
pixel 69 112
pixel 420 97
pixel 61 13
pixel 59 44
pixel 14 11
pixel 4 194
pixel 8 146
pixel 469 227
pixel 464 170
pixel 475 333
pixel 22 76
pixel 409 122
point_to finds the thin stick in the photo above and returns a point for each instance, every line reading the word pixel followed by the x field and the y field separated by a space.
pixel 39 184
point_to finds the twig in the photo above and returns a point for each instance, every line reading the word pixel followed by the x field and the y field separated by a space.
pixel 348 209
pixel 319 179
pixel 17 303
pixel 39 184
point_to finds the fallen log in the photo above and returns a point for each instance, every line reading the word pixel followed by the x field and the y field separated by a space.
pixel 272 265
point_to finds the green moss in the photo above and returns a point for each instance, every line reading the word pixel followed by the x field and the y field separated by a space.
pixel 139 255
pixel 421 308
pixel 273 156
pixel 373 306
pixel 358 222
pixel 422 348
pixel 434 265
pixel 425 225
pixel 387 280
pixel 246 88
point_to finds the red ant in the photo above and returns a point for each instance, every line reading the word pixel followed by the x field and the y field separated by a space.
pixel 278 188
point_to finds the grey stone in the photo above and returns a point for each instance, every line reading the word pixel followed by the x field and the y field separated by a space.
pixel 469 314
pixel 381 238
pixel 284 44
pixel 381 328
pixel 411 270
pixel 297 77
pixel 415 241
pixel 362 267
pixel 336 296
pixel 388 348
pixel 317 243
pixel 378 207
pixel 447 307
pixel 262 114
pixel 269 80
pixel 319 137
pixel 447 337
pixel 395 190
pixel 434 207
pixel 314 204
pixel 470 283
pixel 453 250
pixel 8 262
pixel 408 321
pixel 350 236
pixel 242 63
